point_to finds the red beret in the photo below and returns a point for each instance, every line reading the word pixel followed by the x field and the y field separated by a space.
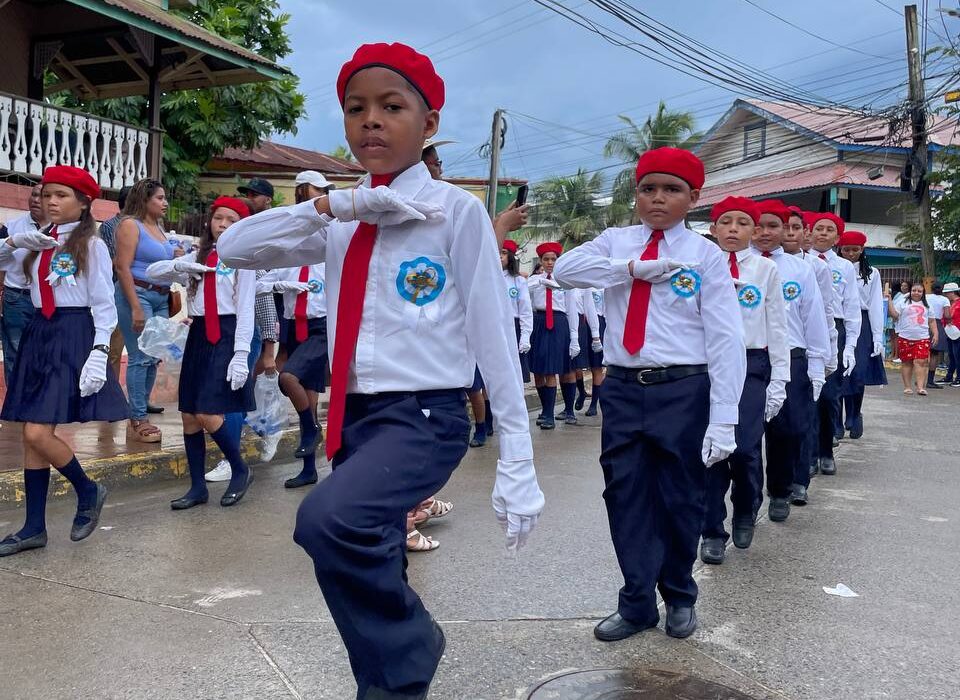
pixel 549 247
pixel 775 207
pixel 400 58
pixel 77 178
pixel 510 245
pixel 672 161
pixel 795 211
pixel 238 205
pixel 852 238
pixel 811 218
pixel 747 206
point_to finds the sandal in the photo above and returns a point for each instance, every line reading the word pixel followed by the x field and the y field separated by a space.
pixel 418 543
pixel 438 509
pixel 922 392
pixel 908 391
pixel 144 431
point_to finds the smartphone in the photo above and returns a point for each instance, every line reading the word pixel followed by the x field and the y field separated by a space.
pixel 522 195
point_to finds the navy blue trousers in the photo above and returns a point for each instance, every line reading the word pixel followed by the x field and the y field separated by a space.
pixel 745 466
pixel 831 401
pixel 398 449
pixel 655 485
pixel 785 433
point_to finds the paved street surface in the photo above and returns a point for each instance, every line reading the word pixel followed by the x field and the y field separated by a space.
pixel 216 603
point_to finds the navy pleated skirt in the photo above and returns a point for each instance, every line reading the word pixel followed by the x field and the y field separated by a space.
pixel 45 383
pixel 203 375
pixel 943 342
pixel 869 371
pixel 588 359
pixel 524 357
pixel 550 349
pixel 307 361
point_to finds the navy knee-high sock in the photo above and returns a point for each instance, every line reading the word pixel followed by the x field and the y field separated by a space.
pixel 549 400
pixel 84 486
pixel 569 392
pixel 581 389
pixel 541 392
pixel 308 427
pixel 489 416
pixel 35 485
pixel 309 466
pixel 230 447
pixel 595 396
pixel 195 445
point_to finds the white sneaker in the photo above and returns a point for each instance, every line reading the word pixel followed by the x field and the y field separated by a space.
pixel 269 448
pixel 898 361
pixel 221 472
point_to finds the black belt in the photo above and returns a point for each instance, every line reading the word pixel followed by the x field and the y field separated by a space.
pixel 757 352
pixel 15 290
pixel 655 375
pixel 798 353
pixel 151 287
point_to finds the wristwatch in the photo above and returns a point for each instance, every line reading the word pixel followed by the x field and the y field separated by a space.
pixel 102 348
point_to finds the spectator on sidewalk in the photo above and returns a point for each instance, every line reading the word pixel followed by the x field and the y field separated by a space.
pixel 108 233
pixel 951 320
pixel 915 329
pixel 940 350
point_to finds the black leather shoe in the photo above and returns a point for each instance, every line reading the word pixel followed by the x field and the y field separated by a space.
pixel 91 517
pixel 815 468
pixel 560 416
pixel 615 627
pixel 592 411
pixel 856 432
pixel 828 466
pixel 304 450
pixel 154 409
pixel 188 501
pixel 799 495
pixel 931 385
pixel 540 420
pixel 581 399
pixel 836 441
pixel 742 533
pixel 11 544
pixel 547 424
pixel 299 480
pixel 232 498
pixel 779 509
pixel 712 550
pixel 681 622
pixel 570 419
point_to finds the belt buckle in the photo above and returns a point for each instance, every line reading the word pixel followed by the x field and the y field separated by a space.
pixel 641 373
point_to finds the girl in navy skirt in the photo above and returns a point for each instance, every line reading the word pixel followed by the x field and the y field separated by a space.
pixel 214 378
pixel 593 307
pixel 552 343
pixel 304 375
pixel 61 373
pixel 869 369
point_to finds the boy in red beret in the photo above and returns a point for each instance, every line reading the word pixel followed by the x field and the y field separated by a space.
pixel 415 302
pixel 676 364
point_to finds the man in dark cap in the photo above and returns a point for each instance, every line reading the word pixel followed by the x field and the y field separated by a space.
pixel 258 193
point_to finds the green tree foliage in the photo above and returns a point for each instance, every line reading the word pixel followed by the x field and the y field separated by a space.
pixel 569 205
pixel 343 153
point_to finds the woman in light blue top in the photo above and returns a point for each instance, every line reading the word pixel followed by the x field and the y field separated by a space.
pixel 141 241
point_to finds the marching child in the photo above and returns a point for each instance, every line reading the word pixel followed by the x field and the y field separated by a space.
pixel 676 363
pixel 214 377
pixel 415 300
pixel 518 294
pixel 760 295
pixel 61 374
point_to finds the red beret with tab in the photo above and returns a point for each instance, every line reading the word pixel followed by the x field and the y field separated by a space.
pixel 238 205
pixel 416 68
pixel 811 218
pixel 747 206
pixel 549 247
pixel 672 161
pixel 510 245
pixel 775 207
pixel 77 178
pixel 852 238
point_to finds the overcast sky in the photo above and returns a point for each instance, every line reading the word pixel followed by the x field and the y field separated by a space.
pixel 549 73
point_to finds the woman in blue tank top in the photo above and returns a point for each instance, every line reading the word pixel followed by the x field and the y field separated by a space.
pixel 141 241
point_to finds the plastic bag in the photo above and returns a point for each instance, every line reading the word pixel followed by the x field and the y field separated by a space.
pixel 271 413
pixel 163 338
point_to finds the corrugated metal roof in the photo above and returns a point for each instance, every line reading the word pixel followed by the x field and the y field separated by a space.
pixel 277 156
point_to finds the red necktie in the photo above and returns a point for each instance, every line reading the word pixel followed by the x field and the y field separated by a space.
pixel 47 303
pixel 734 270
pixel 300 308
pixel 211 313
pixel 767 254
pixel 822 257
pixel 549 307
pixel 635 326
pixel 353 287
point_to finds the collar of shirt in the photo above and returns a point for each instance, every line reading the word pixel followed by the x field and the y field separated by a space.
pixel 744 254
pixel 670 235
pixel 63 229
pixel 829 253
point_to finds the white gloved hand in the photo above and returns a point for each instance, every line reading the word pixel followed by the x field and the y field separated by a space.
pixel 194 269
pixel 286 286
pixel 817 388
pixel 574 349
pixel 877 350
pixel 550 282
pixel 379 205
pixel 237 370
pixel 33 240
pixel 776 395
pixel 517 499
pixel 849 360
pixel 524 346
pixel 596 345
pixel 831 365
pixel 718 444
pixel 655 271
pixel 94 373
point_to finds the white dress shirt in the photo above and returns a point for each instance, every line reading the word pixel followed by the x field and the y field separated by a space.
pixel 563 299
pixel 806 321
pixel 518 298
pixel 316 297
pixel 92 288
pixel 825 282
pixel 14 266
pixel 871 301
pixel 763 309
pixel 703 327
pixel 410 341
pixel 236 294
pixel 846 299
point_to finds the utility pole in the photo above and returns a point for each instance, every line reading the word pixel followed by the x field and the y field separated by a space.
pixel 496 135
pixel 919 156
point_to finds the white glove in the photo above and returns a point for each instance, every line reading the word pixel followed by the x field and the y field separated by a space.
pixel 655 271
pixel 517 500
pixel 831 365
pixel 379 205
pixel 194 269
pixel 718 444
pixel 237 370
pixel 550 282
pixel 33 240
pixel 849 360
pixel 574 349
pixel 776 395
pixel 285 286
pixel 596 345
pixel 817 388
pixel 524 346
pixel 94 373
pixel 877 350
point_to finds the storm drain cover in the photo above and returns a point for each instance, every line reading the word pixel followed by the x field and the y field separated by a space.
pixel 628 684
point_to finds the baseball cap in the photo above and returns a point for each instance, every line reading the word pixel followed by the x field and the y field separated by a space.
pixel 436 143
pixel 257 185
pixel 312 177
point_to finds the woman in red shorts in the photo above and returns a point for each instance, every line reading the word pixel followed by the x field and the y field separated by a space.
pixel 915 329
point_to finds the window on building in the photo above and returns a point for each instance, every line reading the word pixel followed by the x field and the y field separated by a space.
pixel 893 275
pixel 754 140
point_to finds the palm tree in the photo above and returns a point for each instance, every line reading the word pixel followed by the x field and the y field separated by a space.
pixel 343 153
pixel 569 204
pixel 665 128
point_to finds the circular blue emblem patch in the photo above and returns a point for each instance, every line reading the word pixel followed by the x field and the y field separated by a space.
pixel 513 292
pixel 837 276
pixel 63 265
pixel 597 298
pixel 316 286
pixel 685 283
pixel 791 290
pixel 223 269
pixel 749 296
pixel 421 280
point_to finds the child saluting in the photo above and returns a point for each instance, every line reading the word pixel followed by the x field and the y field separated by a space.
pixel 415 300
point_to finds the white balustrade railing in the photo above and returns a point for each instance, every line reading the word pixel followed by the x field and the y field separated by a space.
pixel 34 135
